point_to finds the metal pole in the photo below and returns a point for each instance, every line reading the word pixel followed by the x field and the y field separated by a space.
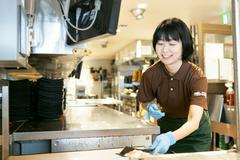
pixel 236 57
pixel 5 120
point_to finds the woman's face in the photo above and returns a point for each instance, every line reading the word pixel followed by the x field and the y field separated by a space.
pixel 169 52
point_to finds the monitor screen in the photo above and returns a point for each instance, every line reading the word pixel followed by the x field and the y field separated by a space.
pixel 92 22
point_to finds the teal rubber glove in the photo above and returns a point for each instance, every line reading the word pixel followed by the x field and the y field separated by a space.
pixel 154 112
pixel 163 142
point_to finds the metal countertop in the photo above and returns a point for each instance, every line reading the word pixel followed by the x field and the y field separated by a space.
pixel 93 102
pixel 85 122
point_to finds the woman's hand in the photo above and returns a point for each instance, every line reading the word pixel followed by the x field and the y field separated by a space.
pixel 154 112
pixel 163 142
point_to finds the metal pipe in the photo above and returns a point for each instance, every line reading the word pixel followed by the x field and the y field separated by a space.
pixel 30 6
pixel 5 120
pixel 236 57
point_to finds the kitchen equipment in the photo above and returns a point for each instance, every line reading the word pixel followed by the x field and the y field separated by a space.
pixel 128 149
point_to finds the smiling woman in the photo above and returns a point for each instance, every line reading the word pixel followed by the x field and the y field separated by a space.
pixel 173 82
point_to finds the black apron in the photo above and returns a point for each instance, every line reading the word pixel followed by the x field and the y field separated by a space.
pixel 199 140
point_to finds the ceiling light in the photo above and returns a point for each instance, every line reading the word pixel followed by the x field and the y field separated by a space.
pixel 140 16
pixel 137 13
pixel 142 5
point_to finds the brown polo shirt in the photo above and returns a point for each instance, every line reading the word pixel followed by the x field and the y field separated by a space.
pixel 174 93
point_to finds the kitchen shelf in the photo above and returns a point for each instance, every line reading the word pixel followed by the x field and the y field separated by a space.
pixel 135 52
pixel 215 50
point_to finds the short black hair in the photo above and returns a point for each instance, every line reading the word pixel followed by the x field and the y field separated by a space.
pixel 175 29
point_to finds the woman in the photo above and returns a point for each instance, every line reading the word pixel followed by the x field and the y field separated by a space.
pixel 180 88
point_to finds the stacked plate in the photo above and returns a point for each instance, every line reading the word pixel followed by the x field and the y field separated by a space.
pixel 34 99
pixel 50 98
pixel 19 100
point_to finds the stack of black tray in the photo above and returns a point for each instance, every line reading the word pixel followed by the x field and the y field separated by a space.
pixel 19 100
pixel 50 98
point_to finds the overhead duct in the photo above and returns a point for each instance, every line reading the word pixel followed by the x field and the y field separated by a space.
pixel 12 32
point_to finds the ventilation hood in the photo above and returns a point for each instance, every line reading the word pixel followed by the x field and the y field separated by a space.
pixel 37 32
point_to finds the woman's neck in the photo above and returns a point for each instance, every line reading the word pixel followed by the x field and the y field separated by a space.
pixel 173 68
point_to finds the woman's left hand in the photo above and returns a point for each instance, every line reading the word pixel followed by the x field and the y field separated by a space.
pixel 163 142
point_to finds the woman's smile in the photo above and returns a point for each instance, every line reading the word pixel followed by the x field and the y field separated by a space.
pixel 166 56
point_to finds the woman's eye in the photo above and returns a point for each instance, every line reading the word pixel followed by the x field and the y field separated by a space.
pixel 160 44
pixel 172 44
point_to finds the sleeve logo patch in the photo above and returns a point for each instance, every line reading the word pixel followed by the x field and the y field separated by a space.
pixel 198 94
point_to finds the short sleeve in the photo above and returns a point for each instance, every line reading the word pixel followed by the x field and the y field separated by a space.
pixel 145 91
pixel 199 88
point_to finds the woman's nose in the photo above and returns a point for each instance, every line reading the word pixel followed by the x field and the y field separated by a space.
pixel 164 48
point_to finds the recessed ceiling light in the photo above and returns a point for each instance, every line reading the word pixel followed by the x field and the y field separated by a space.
pixel 140 16
pixel 142 5
pixel 137 13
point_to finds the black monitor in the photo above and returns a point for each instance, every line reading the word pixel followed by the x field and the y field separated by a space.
pixel 80 14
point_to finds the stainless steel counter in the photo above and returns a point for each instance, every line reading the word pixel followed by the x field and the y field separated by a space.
pixel 93 102
pixel 85 122
pixel 111 155
pixel 87 128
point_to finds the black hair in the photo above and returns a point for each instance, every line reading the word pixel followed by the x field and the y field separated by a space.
pixel 175 29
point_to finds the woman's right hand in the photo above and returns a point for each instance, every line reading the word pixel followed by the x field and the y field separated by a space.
pixel 154 112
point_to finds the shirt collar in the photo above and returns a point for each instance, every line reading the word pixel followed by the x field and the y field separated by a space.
pixel 181 73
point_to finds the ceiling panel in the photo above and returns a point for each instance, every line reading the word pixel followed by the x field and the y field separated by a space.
pixel 191 11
